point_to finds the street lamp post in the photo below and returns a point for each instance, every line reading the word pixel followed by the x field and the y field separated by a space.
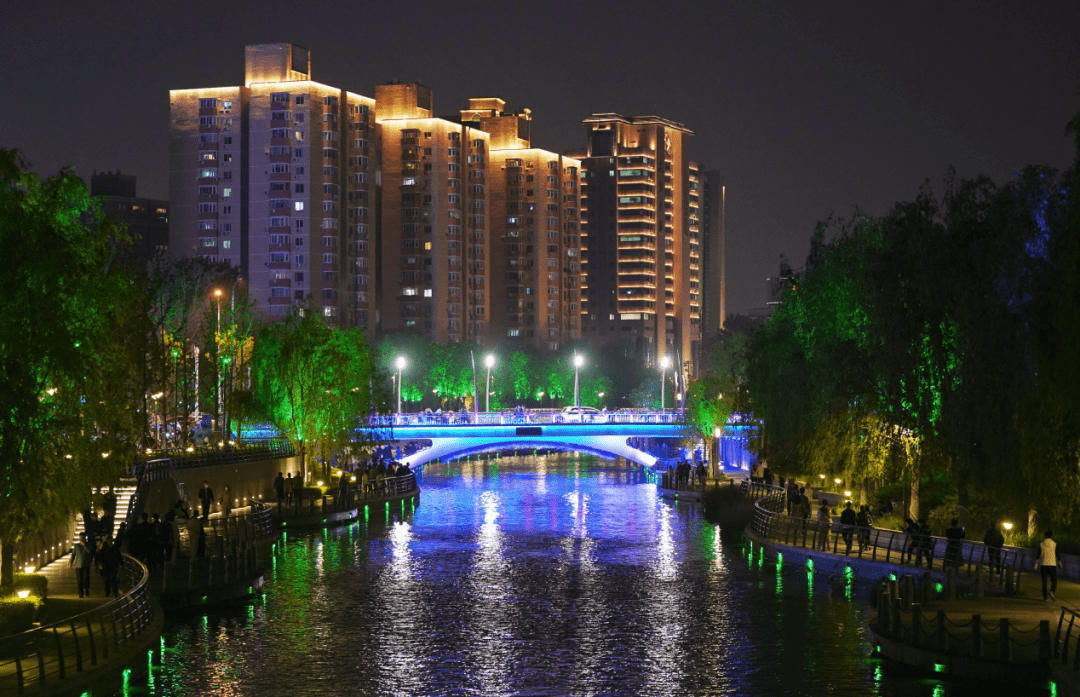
pixel 579 361
pixel 489 361
pixel 400 364
pixel 665 362
pixel 218 413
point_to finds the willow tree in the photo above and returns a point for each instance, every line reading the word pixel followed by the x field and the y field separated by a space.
pixel 313 382
pixel 70 353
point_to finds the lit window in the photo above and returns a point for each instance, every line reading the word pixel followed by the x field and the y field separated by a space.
pixel 427 292
pixel 299 205
pixel 226 193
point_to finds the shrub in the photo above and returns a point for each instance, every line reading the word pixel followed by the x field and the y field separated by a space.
pixel 37 584
pixel 17 615
pixel 727 507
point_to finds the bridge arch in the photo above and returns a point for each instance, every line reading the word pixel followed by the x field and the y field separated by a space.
pixel 606 446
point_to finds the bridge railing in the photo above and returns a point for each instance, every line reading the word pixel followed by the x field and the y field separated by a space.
pixel 529 417
pixel 41 659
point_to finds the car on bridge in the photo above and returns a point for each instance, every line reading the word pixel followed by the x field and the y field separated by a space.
pixel 573 414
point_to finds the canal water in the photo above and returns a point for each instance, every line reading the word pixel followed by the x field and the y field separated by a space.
pixel 538 575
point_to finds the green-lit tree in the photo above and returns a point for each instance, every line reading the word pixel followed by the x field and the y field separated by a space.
pixel 313 381
pixel 71 348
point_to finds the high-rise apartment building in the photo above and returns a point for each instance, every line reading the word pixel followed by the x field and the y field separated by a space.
pixel 276 178
pixel 434 220
pixel 535 233
pixel 642 263
pixel 147 219
pixel 713 273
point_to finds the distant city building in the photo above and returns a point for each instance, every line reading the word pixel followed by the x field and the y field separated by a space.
pixel 642 264
pixel 391 218
pixel 147 219
pixel 713 271
pixel 276 178
pixel 535 234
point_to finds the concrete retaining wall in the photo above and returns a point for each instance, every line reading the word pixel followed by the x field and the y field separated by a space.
pixel 247 479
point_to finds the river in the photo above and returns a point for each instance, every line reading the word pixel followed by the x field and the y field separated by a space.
pixel 537 575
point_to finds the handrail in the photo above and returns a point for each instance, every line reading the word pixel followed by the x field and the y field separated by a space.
pixel 1002 640
pixel 339 501
pixel 1062 643
pixel 889 546
pixel 46 656
pixel 249 452
pixel 518 419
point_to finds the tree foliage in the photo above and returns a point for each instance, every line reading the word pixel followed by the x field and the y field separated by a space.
pixel 70 353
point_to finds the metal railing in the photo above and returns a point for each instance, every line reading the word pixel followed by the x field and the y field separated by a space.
pixel 889 546
pixel 47 656
pixel 355 494
pixel 254 526
pixel 250 451
pixel 1003 640
pixel 528 417
pixel 1062 642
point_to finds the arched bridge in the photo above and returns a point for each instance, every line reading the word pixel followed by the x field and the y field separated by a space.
pixel 456 435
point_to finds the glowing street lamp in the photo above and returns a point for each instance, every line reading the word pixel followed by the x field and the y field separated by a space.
pixel 1008 527
pixel 579 361
pixel 665 363
pixel 489 362
pixel 400 364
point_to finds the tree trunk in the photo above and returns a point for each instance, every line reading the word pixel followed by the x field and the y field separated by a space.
pixel 7 561
pixel 913 505
pixel 1031 529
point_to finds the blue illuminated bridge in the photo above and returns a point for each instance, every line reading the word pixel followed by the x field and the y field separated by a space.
pixel 608 435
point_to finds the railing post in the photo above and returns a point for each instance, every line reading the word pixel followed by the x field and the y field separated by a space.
pixel 78 650
pixel 1044 640
pixel 941 632
pixel 888 552
pixel 909 591
pixel 59 654
pixel 93 648
pixel 976 636
pixel 1003 640
pixel 41 660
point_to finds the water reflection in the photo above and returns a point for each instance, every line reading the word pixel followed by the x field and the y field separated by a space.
pixel 556 575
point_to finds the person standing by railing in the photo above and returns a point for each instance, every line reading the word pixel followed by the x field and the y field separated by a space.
pixel 955 535
pixel 865 521
pixel 824 522
pixel 110 566
pixel 911 553
pixel 226 502
pixel 994 540
pixel 848 521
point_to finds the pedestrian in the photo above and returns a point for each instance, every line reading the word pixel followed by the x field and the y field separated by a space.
pixel 147 540
pixel 792 495
pixel 108 502
pixel 953 548
pixel 80 561
pixel 110 566
pixel 865 521
pixel 1046 563
pixel 289 483
pixel 206 498
pixel 926 543
pixel 993 539
pixel 768 476
pixel 165 537
pixel 279 489
pixel 226 501
pixel 911 549
pixel 824 522
pixel 122 537
pixel 848 520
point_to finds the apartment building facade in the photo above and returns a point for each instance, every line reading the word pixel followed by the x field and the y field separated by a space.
pixel 535 233
pixel 146 219
pixel 642 239
pixel 275 177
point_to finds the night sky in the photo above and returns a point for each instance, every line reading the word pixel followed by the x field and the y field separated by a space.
pixel 806 111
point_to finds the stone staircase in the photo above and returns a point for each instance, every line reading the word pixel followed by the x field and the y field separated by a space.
pixel 124 492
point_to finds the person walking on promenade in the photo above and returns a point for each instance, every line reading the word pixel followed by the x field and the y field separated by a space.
pixel 911 549
pixel 955 534
pixel 206 497
pixel 289 484
pixel 792 495
pixel 848 520
pixel 926 543
pixel 226 502
pixel 865 521
pixel 803 509
pixel 279 489
pixel 110 566
pixel 108 503
pixel 80 561
pixel 767 476
pixel 824 522
pixel 1047 562
pixel 994 540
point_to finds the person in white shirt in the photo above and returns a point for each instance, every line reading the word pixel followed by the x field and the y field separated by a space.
pixel 1047 564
